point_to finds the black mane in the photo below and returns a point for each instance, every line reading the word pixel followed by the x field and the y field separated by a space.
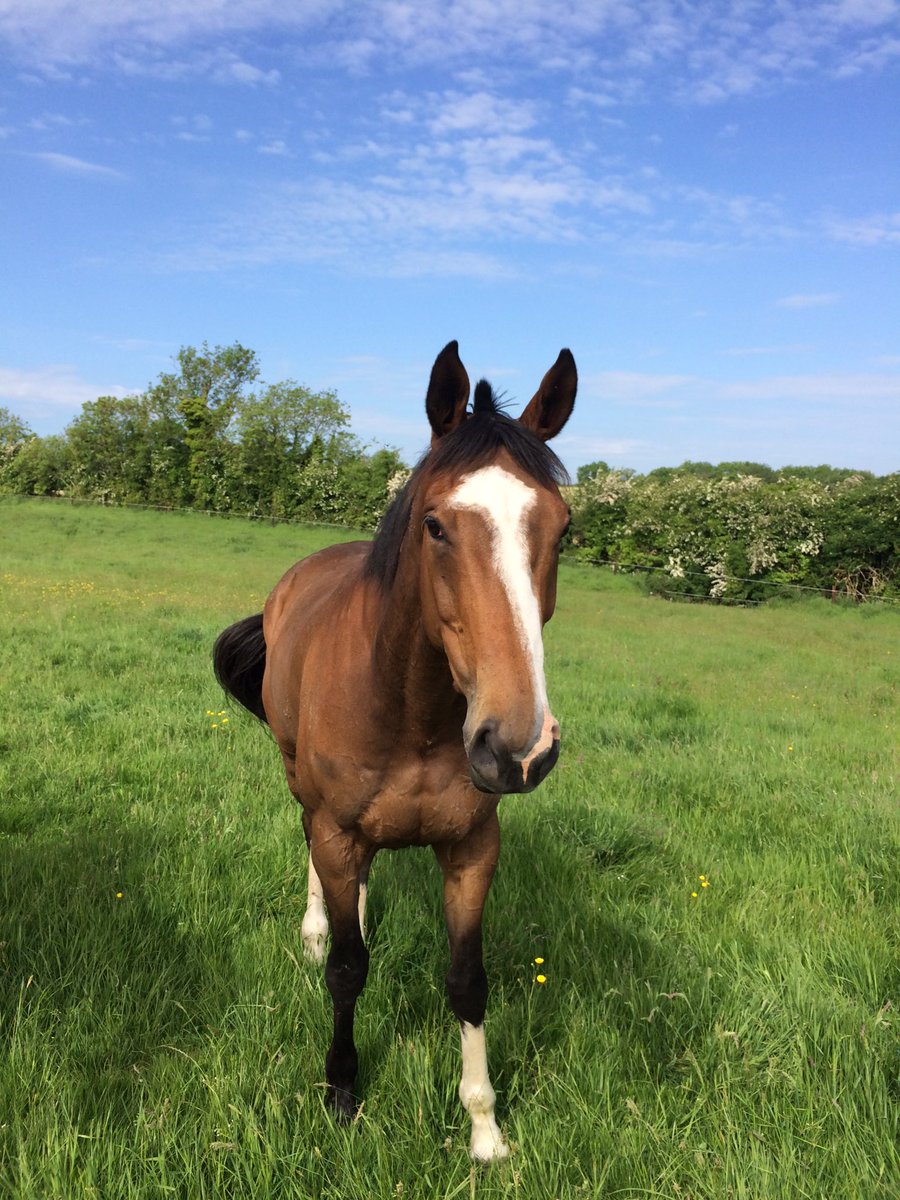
pixel 473 444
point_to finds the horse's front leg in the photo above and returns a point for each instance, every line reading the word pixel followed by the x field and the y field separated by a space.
pixel 339 860
pixel 468 868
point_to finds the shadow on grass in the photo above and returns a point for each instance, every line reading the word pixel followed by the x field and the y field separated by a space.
pixel 98 971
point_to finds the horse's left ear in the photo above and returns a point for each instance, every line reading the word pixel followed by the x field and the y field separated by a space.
pixel 448 392
pixel 554 400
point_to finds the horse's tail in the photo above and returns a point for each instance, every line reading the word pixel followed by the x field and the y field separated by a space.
pixel 239 660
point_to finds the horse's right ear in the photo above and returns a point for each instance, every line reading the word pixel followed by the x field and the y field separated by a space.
pixel 448 392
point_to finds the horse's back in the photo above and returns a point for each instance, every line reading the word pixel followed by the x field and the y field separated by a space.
pixel 311 583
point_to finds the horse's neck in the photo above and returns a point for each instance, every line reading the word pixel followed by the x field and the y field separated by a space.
pixel 414 676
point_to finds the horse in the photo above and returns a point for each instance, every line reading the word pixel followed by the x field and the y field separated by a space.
pixel 403 681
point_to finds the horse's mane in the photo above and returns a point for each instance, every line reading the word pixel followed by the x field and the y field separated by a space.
pixel 474 443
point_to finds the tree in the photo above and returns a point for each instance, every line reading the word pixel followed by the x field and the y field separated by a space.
pixel 275 434
pixel 14 436
pixel 365 483
pixel 824 474
pixel 590 470
pixel 109 447
pixel 860 554
pixel 43 467
pixel 731 470
pixel 204 395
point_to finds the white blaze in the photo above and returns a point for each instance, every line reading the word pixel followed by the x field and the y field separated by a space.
pixel 505 501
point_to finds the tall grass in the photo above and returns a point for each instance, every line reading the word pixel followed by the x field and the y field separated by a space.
pixel 163 1035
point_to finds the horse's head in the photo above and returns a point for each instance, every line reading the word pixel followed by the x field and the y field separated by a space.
pixel 490 518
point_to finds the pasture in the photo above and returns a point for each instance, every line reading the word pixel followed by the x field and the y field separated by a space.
pixel 163 1036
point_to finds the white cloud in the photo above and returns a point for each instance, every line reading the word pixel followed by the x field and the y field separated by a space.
pixel 52 121
pixel 484 112
pixel 609 50
pixel 55 389
pixel 646 389
pixel 275 147
pixel 237 71
pixel 419 204
pixel 585 449
pixel 811 300
pixel 639 389
pixel 879 230
pixel 578 96
pixel 70 165
pixel 861 388
pixel 59 32
pixel 870 57
pixel 764 351
pixel 218 64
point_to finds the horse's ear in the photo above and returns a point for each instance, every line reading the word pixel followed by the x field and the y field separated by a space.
pixel 552 404
pixel 448 392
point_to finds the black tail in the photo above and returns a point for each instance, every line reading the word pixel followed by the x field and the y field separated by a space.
pixel 239 660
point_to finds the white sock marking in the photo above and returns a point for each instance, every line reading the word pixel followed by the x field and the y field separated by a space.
pixel 315 920
pixel 361 908
pixel 477 1097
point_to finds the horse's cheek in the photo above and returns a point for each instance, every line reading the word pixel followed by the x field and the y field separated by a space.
pixel 438 603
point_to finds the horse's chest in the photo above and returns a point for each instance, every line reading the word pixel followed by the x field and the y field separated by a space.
pixel 397 819
pixel 417 802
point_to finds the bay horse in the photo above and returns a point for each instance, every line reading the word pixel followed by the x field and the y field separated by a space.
pixel 403 680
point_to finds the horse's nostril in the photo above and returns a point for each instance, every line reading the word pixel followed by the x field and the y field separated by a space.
pixel 484 747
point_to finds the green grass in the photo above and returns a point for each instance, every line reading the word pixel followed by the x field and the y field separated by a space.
pixel 741 1043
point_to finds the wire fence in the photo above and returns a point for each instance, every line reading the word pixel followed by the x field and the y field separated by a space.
pixel 617 567
pixel 177 510
pixel 834 593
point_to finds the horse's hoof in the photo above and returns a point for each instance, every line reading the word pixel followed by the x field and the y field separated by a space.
pixel 490 1153
pixel 314 947
pixel 343 1103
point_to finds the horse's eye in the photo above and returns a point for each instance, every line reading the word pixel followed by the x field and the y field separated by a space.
pixel 434 528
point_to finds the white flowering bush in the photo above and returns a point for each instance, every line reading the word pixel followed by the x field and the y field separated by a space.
pixel 738 536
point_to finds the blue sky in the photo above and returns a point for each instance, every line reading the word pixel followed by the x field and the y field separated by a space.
pixel 702 200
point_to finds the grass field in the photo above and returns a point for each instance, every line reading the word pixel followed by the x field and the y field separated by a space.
pixel 163 1036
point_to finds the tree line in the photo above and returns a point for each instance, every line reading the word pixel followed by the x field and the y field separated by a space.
pixel 208 435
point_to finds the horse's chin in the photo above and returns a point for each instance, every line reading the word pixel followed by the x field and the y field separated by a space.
pixel 482 785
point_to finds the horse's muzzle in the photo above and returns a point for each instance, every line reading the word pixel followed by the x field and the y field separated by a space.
pixel 494 769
